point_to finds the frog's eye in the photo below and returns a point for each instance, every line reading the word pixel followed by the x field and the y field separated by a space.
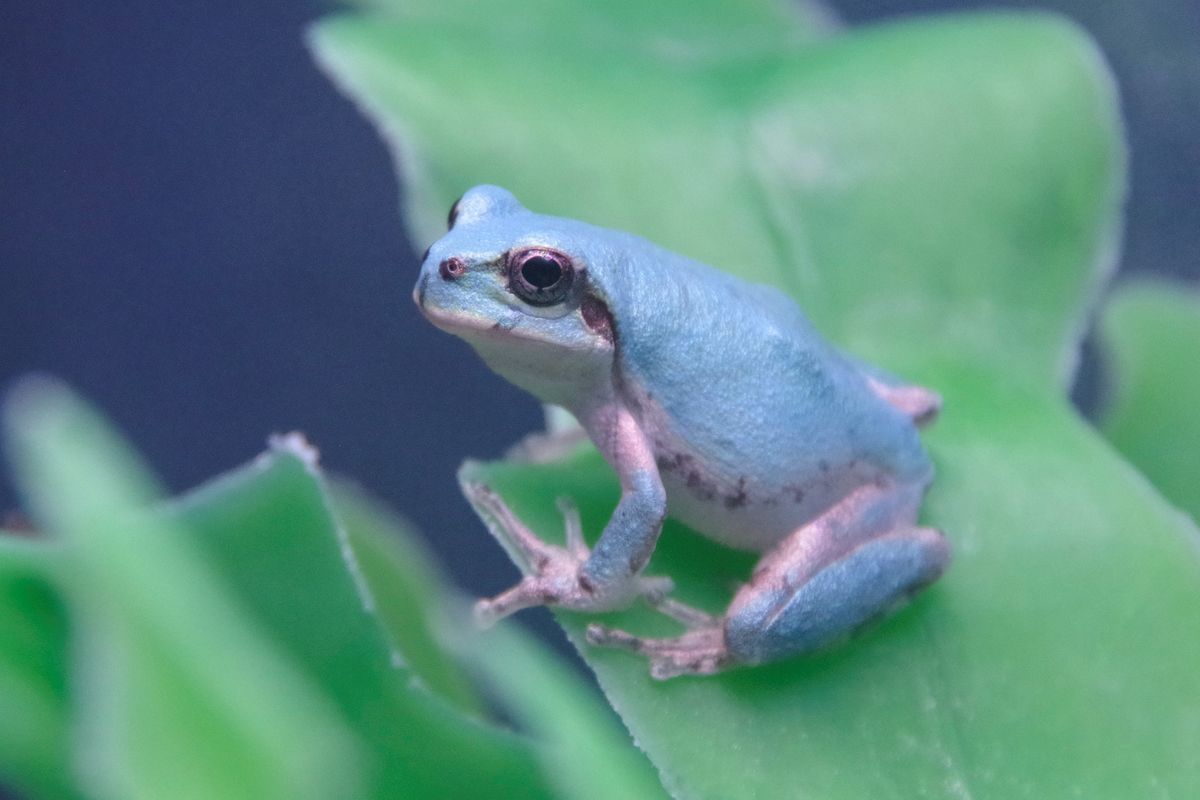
pixel 540 276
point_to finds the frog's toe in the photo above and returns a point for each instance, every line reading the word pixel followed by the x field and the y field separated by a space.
pixel 693 618
pixel 604 636
pixel 667 667
pixel 528 592
pixel 697 652
pixel 573 528
pixel 484 614
pixel 505 525
pixel 655 588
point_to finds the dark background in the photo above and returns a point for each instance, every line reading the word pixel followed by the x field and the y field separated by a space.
pixel 202 236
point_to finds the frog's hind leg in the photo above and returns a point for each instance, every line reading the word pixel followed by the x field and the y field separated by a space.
pixel 777 618
pixel 852 564
pixel 920 404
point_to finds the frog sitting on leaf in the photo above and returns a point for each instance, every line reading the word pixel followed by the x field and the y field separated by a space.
pixel 717 403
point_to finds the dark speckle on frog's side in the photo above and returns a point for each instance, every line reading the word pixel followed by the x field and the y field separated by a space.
pixel 739 496
pixel 703 488
pixel 796 491
pixel 672 462
pixel 684 465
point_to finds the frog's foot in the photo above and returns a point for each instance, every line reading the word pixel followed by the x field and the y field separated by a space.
pixel 553 573
pixel 699 651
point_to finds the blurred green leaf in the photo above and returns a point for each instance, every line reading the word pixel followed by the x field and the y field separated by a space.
pixel 270 530
pixel 224 648
pixel 408 595
pixel 584 750
pixel 588 752
pixel 942 198
pixel 1152 332
pixel 177 694
pixel 33 672
pixel 685 28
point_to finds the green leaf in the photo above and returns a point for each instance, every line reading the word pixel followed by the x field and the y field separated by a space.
pixel 33 671
pixel 685 27
pixel 177 694
pixel 225 647
pixel 583 748
pixel 1152 331
pixel 942 198
pixel 588 753
pixel 270 529
pixel 408 594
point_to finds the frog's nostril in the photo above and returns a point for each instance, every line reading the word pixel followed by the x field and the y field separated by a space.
pixel 452 269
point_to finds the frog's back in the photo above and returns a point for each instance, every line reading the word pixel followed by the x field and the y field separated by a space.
pixel 757 421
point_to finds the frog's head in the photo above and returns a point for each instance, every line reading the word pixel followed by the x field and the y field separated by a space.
pixel 515 286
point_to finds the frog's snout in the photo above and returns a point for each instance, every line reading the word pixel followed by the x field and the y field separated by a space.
pixel 419 290
pixel 449 270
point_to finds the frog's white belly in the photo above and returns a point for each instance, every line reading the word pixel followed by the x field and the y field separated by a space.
pixel 742 508
pixel 749 513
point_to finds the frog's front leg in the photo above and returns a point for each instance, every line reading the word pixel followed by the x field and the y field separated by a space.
pixel 607 577
pixel 850 565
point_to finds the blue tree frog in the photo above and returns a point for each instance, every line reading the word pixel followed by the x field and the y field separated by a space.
pixel 717 403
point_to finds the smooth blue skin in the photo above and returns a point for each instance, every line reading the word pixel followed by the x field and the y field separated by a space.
pixel 716 401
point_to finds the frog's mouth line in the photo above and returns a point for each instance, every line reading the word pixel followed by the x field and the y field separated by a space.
pixel 461 325
pixel 449 321
pixel 452 322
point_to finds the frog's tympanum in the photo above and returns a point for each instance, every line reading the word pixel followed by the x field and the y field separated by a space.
pixel 718 404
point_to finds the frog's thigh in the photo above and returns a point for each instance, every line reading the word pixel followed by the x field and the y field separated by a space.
pixel 793 608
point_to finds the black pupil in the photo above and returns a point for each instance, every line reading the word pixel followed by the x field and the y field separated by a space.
pixel 541 272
